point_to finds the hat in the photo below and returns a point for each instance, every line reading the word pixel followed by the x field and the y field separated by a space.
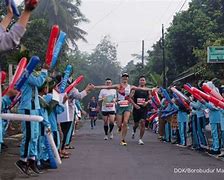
pixel 124 75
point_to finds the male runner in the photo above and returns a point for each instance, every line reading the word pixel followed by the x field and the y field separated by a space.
pixel 93 111
pixel 140 100
pixel 108 98
pixel 124 106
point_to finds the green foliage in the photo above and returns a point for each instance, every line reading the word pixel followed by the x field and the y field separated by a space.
pixel 65 13
pixel 156 79
pixel 103 62
pixel 186 42
pixel 95 67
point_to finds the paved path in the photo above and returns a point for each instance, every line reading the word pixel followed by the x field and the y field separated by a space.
pixel 97 159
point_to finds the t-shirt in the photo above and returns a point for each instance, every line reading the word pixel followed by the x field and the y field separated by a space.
pixel 140 97
pixel 93 106
pixel 123 95
pixel 108 103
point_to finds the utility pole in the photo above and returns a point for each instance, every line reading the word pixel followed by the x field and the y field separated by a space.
pixel 164 60
pixel 143 49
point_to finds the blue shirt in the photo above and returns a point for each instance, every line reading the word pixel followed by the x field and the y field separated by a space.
pixel 214 113
pixel 44 113
pixel 222 119
pixel 182 116
pixel 6 101
pixel 199 108
pixel 30 91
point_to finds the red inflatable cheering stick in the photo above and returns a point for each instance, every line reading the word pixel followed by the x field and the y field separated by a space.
pixel 210 98
pixel 19 70
pixel 51 43
pixel 75 83
pixel 156 96
pixel 196 96
pixel 212 92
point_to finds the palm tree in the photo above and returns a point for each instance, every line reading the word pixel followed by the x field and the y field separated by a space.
pixel 66 14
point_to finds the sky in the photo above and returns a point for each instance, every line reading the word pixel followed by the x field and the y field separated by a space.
pixel 127 22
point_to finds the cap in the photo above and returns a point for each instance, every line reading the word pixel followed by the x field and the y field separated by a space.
pixel 124 75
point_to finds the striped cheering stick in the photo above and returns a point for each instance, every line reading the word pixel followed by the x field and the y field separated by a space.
pixel 74 84
pixel 19 70
pixel 57 48
pixel 14 7
pixel 34 61
pixel 212 92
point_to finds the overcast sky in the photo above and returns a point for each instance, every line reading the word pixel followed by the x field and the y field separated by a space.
pixel 128 22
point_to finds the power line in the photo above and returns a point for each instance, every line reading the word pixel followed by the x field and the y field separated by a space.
pixel 105 16
pixel 182 6
pixel 176 10
pixel 182 3
pixel 160 18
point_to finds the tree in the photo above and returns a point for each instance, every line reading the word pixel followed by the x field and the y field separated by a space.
pixel 187 39
pixel 66 14
pixel 103 62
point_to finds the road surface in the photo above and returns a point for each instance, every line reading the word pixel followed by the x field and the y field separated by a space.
pixel 96 159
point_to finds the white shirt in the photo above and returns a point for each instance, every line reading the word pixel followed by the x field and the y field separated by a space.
pixel 126 92
pixel 109 96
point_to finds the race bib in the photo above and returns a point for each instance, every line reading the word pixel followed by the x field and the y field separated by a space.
pixel 123 103
pixel 109 105
pixel 140 101
pixel 93 109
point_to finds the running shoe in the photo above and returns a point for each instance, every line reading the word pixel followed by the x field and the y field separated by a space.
pixel 106 138
pixel 111 136
pixel 140 142
pixel 123 143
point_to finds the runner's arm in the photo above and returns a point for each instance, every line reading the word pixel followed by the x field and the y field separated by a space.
pixel 131 100
pixel 116 86
pixel 150 96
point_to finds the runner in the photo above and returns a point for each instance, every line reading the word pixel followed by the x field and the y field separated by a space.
pixel 93 110
pixel 108 98
pixel 140 99
pixel 124 107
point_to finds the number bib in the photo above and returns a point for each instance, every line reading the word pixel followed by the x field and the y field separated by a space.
pixel 123 103
pixel 109 105
pixel 140 101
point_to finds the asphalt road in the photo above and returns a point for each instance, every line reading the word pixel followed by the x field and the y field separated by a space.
pixel 96 159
